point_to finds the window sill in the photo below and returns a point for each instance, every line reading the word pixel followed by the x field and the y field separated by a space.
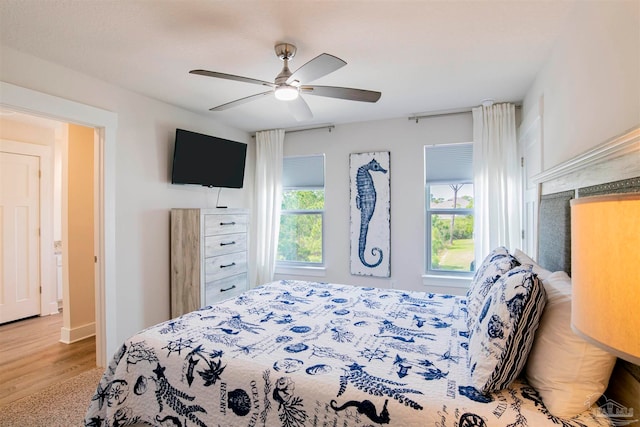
pixel 453 285
pixel 300 271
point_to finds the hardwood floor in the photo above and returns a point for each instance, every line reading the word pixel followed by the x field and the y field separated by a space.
pixel 32 358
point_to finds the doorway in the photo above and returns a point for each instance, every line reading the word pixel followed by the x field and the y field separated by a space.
pixel 49 216
pixel 104 122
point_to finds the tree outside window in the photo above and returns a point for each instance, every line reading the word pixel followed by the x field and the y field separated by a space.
pixel 300 241
pixel 450 215
pixel 301 225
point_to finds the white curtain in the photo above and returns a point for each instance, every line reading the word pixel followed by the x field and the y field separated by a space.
pixel 268 196
pixel 496 179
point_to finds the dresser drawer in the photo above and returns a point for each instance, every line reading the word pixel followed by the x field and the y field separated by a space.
pixel 219 267
pixel 225 288
pixel 225 224
pixel 222 244
pixel 209 259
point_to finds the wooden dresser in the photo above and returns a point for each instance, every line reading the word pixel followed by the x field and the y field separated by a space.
pixel 208 257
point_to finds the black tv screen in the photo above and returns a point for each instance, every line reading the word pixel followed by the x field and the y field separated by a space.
pixel 208 160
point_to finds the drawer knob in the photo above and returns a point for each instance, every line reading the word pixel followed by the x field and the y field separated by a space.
pixel 228 289
pixel 228 223
pixel 227 243
pixel 228 265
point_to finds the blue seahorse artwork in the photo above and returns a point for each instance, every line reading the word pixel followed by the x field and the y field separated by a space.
pixel 366 204
pixel 370 207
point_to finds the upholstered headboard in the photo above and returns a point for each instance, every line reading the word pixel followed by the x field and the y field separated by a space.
pixel 613 167
pixel 554 231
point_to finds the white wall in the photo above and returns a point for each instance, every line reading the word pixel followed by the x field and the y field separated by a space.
pixel 143 193
pixel 591 83
pixel 405 140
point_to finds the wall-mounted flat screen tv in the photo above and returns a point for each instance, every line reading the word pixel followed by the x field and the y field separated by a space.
pixel 208 160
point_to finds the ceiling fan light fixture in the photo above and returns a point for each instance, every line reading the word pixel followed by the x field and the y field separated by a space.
pixel 286 93
pixel 287 85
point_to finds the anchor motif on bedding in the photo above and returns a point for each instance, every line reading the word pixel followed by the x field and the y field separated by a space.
pixel 366 204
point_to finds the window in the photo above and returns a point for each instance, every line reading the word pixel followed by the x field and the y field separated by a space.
pixel 449 209
pixel 300 241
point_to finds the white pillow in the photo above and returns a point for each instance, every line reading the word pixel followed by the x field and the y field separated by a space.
pixel 568 372
pixel 525 259
pixel 505 329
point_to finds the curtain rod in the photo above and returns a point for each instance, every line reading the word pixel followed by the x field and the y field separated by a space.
pixel 446 113
pixel 329 127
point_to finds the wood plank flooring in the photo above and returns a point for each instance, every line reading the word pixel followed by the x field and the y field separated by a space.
pixel 32 358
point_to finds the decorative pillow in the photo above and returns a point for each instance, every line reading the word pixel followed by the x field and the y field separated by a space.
pixel 498 262
pixel 568 372
pixel 505 328
pixel 525 259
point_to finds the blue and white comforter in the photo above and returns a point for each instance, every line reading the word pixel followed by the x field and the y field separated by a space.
pixel 296 354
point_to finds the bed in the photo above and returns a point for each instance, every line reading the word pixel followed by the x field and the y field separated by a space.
pixel 298 354
pixel 294 353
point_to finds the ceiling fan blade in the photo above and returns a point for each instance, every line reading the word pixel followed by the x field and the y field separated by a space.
pixel 319 66
pixel 299 109
pixel 342 93
pixel 240 101
pixel 231 77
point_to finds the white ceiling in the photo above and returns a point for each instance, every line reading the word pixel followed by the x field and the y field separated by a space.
pixel 423 56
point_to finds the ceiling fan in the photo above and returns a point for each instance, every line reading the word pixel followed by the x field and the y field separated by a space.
pixel 288 86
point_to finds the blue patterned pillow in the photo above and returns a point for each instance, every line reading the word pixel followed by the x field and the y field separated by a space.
pixel 497 263
pixel 505 328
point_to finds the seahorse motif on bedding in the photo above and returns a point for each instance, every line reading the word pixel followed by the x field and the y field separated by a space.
pixel 367 408
pixel 366 203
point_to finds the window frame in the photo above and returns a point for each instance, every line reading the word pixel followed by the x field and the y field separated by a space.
pixel 287 265
pixel 429 212
pixel 462 176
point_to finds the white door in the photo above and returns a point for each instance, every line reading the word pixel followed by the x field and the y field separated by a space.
pixel 19 236
pixel 531 158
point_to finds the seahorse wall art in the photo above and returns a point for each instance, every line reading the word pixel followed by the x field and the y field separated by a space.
pixel 370 214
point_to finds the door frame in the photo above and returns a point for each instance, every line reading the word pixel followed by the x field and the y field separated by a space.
pixel 105 122
pixel 48 301
pixel 531 162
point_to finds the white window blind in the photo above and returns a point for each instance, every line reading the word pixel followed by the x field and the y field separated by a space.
pixel 449 163
pixel 303 172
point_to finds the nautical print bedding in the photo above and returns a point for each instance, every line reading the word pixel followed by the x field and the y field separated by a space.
pixel 296 354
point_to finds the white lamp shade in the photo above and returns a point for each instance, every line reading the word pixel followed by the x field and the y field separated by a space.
pixel 605 267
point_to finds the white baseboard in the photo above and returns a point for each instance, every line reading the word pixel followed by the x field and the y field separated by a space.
pixel 68 336
pixel 54 308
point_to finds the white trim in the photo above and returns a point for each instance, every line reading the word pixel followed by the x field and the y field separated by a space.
pixel 448 281
pixel 71 335
pixel 300 271
pixel 451 285
pixel 33 102
pixel 48 297
pixel 619 157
